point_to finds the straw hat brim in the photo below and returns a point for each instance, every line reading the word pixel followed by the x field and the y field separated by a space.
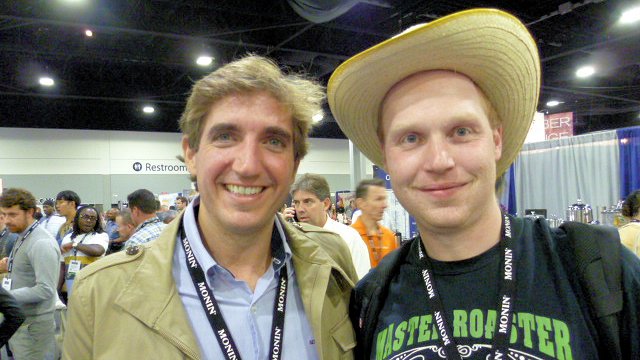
pixel 491 47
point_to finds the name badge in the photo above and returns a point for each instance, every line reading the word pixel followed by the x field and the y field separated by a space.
pixel 74 267
pixel 6 284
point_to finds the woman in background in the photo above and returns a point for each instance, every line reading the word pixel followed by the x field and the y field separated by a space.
pixel 630 233
pixel 84 245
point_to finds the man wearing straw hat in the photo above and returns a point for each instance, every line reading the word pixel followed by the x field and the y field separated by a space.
pixel 444 108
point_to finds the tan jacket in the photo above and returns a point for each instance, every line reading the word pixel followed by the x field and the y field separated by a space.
pixel 127 306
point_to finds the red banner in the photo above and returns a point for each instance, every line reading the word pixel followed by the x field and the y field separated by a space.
pixel 558 126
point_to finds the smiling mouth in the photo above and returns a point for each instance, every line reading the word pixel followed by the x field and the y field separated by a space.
pixel 244 190
pixel 443 187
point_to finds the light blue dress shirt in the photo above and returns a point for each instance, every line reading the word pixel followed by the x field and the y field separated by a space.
pixel 248 315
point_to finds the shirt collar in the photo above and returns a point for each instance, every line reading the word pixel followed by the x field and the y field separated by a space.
pixel 148 221
pixel 280 250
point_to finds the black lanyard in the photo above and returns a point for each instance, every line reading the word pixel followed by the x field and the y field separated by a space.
pixel 15 249
pixel 75 250
pixel 210 305
pixel 505 303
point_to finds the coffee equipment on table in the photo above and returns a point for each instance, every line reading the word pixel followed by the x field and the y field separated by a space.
pixel 579 212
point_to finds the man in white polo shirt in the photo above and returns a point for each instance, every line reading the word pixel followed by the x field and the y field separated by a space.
pixel 311 201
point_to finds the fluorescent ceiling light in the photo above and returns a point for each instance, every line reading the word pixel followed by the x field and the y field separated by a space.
pixel 46 81
pixel 317 117
pixel 204 60
pixel 553 103
pixel 585 71
pixel 148 109
pixel 630 16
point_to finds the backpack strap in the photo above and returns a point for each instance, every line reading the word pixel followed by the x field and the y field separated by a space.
pixel 598 253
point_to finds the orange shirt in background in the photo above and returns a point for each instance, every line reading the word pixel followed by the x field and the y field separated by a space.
pixel 379 245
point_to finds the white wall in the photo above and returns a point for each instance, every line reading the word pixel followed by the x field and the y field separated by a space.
pixel 99 165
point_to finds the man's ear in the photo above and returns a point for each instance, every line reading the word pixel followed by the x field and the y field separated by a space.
pixel 326 203
pixel 189 156
pixel 497 140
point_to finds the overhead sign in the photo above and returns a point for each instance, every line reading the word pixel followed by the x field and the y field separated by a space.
pixel 558 126
pixel 158 167
pixel 168 166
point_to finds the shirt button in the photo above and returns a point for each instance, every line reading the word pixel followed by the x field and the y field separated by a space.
pixel 254 309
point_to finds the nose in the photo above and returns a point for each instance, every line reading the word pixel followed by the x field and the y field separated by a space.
pixel 247 159
pixel 437 156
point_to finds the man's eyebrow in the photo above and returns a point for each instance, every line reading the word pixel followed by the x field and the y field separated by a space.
pixel 222 127
pixel 278 131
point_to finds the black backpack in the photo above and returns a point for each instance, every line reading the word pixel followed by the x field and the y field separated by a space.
pixel 594 251
pixel 597 252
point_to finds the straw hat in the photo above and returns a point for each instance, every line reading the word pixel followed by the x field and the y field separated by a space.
pixel 491 47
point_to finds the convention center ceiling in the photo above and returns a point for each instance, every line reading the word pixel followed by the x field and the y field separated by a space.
pixel 96 64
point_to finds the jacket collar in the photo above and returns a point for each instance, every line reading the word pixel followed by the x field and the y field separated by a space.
pixel 307 250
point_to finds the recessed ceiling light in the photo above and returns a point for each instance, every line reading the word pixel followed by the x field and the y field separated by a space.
pixel 317 117
pixel 148 109
pixel 630 16
pixel 88 33
pixel 204 60
pixel 585 71
pixel 46 81
pixel 553 103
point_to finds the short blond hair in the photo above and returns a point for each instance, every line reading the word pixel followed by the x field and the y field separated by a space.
pixel 301 96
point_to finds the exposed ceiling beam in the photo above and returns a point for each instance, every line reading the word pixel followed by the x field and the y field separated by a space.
pixel 167 35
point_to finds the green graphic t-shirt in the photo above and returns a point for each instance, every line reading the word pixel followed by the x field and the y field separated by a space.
pixel 547 320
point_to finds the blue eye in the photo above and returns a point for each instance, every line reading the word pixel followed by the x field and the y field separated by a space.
pixel 276 142
pixel 411 138
pixel 462 131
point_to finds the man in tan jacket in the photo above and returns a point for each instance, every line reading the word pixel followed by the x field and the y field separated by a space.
pixel 228 279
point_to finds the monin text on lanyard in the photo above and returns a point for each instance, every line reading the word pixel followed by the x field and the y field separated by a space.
pixel 15 249
pixel 505 303
pixel 3 232
pixel 210 305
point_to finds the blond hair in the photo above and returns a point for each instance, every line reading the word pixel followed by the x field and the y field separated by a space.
pixel 303 97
